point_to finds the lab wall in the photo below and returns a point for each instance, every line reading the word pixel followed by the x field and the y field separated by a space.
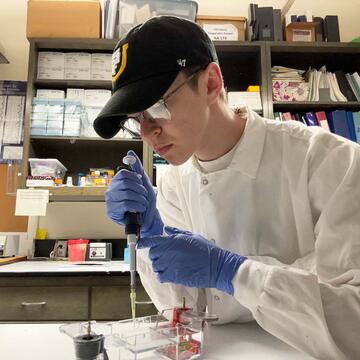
pixel 89 219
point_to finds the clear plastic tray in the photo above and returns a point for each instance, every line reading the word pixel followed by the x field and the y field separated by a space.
pixel 150 337
pixel 47 167
pixel 133 12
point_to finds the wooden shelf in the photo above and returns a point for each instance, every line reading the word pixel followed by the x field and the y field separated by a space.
pixel 72 44
pixel 313 47
pixel 76 193
pixel 73 139
pixel 63 84
pixel 315 105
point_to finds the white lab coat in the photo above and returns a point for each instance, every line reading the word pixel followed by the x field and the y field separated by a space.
pixel 290 201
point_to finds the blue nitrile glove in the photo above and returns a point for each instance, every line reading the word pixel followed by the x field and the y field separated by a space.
pixel 130 192
pixel 189 259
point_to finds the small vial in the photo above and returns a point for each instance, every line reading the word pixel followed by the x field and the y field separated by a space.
pixel 129 160
pixel 69 181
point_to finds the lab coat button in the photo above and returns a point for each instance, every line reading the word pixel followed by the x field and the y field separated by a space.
pixel 217 298
pixel 205 181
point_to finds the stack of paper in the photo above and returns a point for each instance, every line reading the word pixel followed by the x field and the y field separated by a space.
pixel 288 84
pixel 323 86
pixel 284 73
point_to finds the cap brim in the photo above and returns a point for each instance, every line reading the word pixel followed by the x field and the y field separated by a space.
pixel 130 99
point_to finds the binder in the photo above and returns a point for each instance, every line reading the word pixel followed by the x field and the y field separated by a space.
pixel 356 82
pixel 278 32
pixel 331 24
pixel 338 123
pixel 319 29
pixel 286 116
pixel 310 119
pixel 344 85
pixel 322 120
pixel 356 119
pixel 265 20
pixel 351 126
pixel 353 86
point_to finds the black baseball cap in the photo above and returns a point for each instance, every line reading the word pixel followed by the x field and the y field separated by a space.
pixel 145 63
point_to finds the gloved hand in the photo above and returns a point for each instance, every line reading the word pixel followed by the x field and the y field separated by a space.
pixel 188 259
pixel 132 191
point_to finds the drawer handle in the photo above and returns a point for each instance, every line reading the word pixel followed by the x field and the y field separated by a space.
pixel 27 304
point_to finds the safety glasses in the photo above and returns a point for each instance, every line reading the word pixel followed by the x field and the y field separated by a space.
pixel 157 114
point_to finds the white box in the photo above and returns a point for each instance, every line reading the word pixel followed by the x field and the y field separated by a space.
pixel 97 97
pixel 39 105
pixel 54 124
pixel 87 120
pixel 39 123
pixel 38 116
pixel 56 117
pixel 101 67
pixel 72 124
pixel 50 94
pixel 54 132
pixel 71 132
pixel 77 66
pixel 50 65
pixel 35 131
pixel 245 98
pixel 76 94
pixel 39 181
pixel 55 106
pixel 73 107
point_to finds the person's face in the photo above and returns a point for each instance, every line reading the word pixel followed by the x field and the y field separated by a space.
pixel 178 138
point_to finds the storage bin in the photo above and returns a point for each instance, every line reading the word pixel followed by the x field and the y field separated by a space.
pixel 47 167
pixel 77 249
pixel 133 12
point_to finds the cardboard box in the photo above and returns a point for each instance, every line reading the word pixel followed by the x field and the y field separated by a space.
pixel 301 31
pixel 223 27
pixel 63 19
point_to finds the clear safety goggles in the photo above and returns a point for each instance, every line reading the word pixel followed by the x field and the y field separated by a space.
pixel 157 114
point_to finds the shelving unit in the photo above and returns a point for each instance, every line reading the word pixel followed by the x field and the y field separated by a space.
pixel 78 154
pixel 336 56
pixel 242 63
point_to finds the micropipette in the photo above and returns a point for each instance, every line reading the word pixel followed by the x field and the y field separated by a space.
pixel 132 231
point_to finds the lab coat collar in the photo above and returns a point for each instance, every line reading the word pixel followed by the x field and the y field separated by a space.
pixel 249 150
pixel 250 147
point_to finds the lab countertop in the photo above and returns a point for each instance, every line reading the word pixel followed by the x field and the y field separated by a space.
pixel 49 267
pixel 224 342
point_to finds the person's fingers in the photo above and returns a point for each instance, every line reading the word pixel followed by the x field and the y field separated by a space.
pixel 124 186
pixel 125 174
pixel 129 196
pixel 123 207
pixel 149 242
pixel 137 166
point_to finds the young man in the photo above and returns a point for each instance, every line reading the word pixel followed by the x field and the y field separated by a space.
pixel 277 205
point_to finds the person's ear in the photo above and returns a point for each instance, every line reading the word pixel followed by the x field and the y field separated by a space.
pixel 214 82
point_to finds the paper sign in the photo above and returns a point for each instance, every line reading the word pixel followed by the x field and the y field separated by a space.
pixel 221 31
pixel 31 202
pixel 13 152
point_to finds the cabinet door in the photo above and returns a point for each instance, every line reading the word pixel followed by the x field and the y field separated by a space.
pixel 41 303
pixel 113 303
